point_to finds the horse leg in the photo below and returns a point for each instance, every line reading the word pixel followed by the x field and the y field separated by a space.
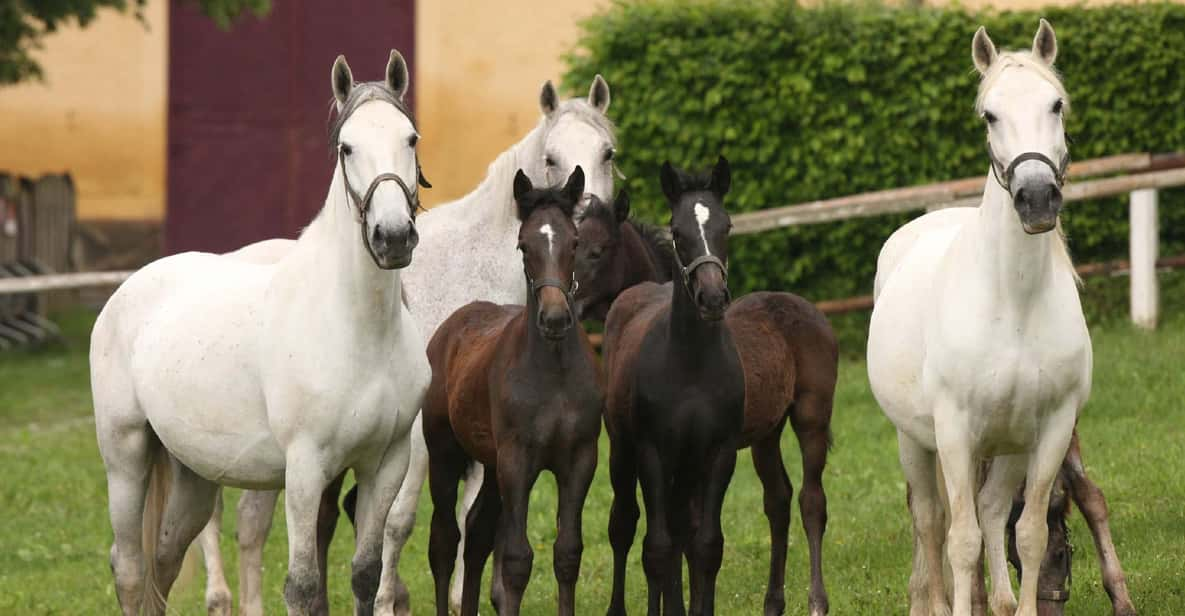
pixel 573 482
pixel 400 522
pixel 1032 530
pixel 444 470
pixel 128 452
pixel 964 540
pixel 377 488
pixel 1093 506
pixel 660 561
pixel 708 543
pixel 255 513
pixel 623 516
pixel 327 523
pixel 482 528
pixel 473 478
pixel 778 495
pixel 995 503
pixel 217 591
pixel 927 591
pixel 811 420
pixel 517 471
pixel 187 511
pixel 685 524
pixel 305 479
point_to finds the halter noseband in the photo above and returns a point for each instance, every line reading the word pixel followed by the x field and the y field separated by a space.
pixel 1004 178
pixel 568 290
pixel 362 204
pixel 688 270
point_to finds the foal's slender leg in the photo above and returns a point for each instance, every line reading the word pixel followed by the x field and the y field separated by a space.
pixel 659 558
pixel 811 421
pixel 255 513
pixel 1032 530
pixel 708 543
pixel 481 528
pixel 573 486
pixel 218 601
pixel 623 515
pixel 778 496
pixel 473 479
pixel 927 591
pixel 188 509
pixel 1093 506
pixel 517 471
pixel 995 504
pixel 377 487
pixel 444 470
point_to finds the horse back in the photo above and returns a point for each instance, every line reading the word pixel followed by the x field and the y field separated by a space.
pixel 787 348
pixel 462 353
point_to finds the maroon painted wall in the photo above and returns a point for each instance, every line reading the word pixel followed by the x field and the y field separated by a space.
pixel 248 156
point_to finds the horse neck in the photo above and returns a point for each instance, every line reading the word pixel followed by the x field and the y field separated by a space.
pixel 638 262
pixel 369 295
pixel 690 336
pixel 494 197
pixel 1016 266
pixel 547 355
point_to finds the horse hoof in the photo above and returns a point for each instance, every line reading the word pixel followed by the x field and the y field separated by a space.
pixel 218 604
pixel 776 606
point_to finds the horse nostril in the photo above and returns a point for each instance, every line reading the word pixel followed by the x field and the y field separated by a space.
pixel 413 236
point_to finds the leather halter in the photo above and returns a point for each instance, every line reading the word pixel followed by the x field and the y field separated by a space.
pixel 569 290
pixel 362 204
pixel 1004 177
pixel 688 270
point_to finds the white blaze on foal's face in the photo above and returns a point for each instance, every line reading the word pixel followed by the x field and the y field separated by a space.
pixel 550 233
pixel 702 214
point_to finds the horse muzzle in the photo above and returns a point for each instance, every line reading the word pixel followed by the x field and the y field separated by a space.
pixel 1038 205
pixel 392 248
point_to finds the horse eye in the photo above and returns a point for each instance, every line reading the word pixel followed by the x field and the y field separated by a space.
pixel 413 140
pixel 1057 106
pixel 346 149
pixel 989 117
pixel 609 154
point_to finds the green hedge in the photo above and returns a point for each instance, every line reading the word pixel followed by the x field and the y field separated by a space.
pixel 810 103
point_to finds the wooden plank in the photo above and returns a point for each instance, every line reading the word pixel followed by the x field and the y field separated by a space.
pixel 1145 295
pixel 55 282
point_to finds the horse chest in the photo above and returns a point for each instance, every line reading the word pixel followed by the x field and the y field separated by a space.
pixel 684 391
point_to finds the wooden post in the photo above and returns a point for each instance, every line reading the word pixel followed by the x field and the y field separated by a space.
pixel 1144 248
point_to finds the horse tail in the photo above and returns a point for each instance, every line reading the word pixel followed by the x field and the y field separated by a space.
pixel 160 479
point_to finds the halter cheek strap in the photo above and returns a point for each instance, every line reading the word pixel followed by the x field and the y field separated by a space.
pixel 687 271
pixel 569 290
pixel 362 204
pixel 1004 178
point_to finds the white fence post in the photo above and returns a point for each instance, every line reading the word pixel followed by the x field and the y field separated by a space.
pixel 1144 252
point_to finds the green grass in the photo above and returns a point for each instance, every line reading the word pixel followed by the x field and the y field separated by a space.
pixel 55 534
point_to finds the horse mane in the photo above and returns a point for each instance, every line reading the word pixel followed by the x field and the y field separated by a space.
pixel 658 242
pixel 539 198
pixel 1026 60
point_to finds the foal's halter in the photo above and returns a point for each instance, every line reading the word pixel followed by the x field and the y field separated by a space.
pixel 1004 173
pixel 569 290
pixel 687 271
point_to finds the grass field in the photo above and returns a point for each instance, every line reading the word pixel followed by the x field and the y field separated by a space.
pixel 55 536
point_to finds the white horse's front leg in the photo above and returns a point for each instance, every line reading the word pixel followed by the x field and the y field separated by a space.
pixel 995 503
pixel 959 469
pixel 218 601
pixel 377 490
pixel 1032 531
pixel 392 597
pixel 255 513
pixel 305 479
pixel 473 479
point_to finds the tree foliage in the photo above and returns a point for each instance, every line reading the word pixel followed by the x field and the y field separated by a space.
pixel 23 24
pixel 811 103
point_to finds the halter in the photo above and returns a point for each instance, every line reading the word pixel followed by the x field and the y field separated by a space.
pixel 688 270
pixel 362 204
pixel 568 290
pixel 1004 178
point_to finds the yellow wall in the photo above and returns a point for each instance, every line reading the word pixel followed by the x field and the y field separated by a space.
pixel 99 114
pixel 479 67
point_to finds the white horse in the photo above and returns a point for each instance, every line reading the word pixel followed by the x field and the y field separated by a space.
pixel 211 370
pixel 472 241
pixel 978 348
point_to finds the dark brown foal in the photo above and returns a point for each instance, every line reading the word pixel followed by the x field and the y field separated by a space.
pixel 789 356
pixel 517 389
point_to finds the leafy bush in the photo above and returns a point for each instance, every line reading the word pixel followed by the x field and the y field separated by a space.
pixel 811 103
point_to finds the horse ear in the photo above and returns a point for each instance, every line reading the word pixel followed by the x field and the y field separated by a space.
pixel 721 177
pixel 983 50
pixel 621 205
pixel 1045 43
pixel 549 100
pixel 522 185
pixel 574 189
pixel 397 78
pixel 342 80
pixel 672 187
pixel 598 94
